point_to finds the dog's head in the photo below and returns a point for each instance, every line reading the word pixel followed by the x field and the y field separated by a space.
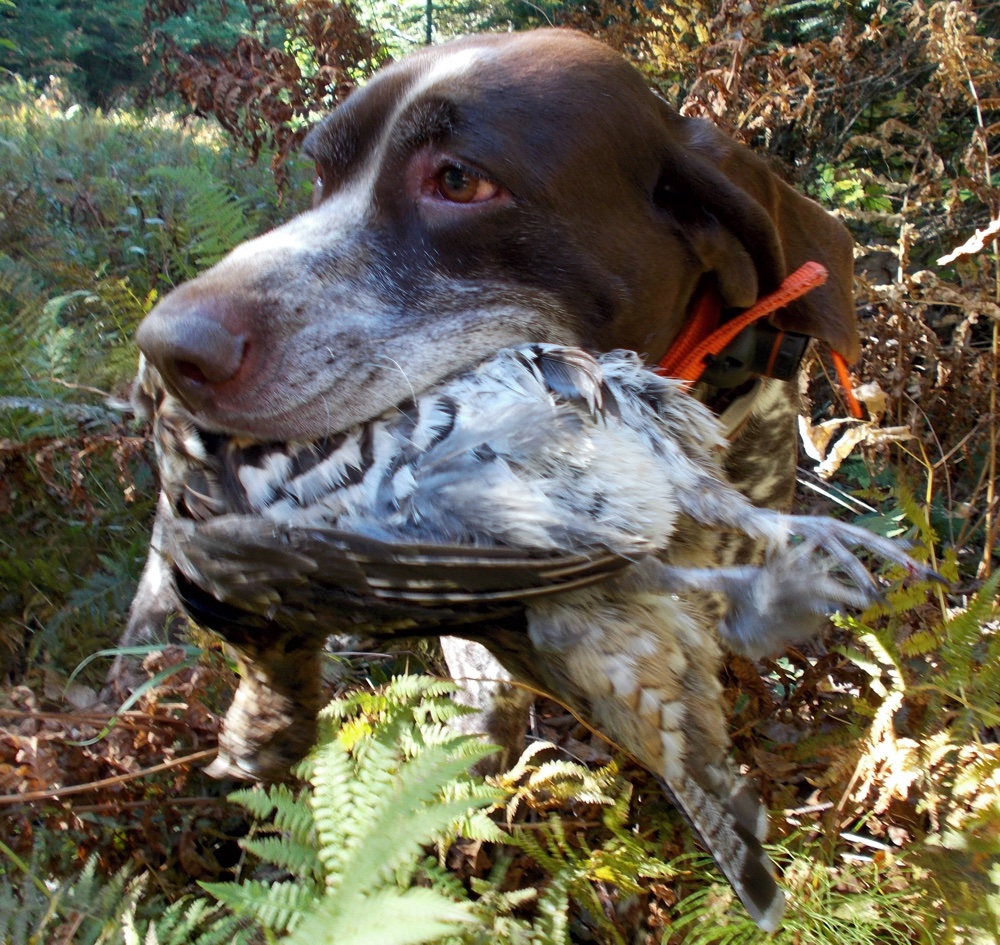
pixel 485 193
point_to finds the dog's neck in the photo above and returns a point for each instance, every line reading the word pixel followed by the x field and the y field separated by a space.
pixel 725 358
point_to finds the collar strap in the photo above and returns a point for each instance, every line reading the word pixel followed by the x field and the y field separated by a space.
pixel 729 353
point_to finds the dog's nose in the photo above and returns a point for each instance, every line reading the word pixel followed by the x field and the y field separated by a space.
pixel 191 347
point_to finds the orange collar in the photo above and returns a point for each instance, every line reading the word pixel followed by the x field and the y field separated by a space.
pixel 703 337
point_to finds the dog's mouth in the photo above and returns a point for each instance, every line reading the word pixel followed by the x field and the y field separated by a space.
pixel 268 415
pixel 210 468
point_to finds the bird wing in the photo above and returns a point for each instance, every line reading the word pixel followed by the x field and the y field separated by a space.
pixel 325 575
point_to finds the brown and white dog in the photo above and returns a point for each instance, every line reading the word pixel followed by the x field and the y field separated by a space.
pixel 491 192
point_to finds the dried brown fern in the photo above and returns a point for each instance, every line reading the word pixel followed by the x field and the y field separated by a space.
pixel 267 87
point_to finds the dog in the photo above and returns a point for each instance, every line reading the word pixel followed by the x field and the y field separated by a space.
pixel 491 192
pixel 498 190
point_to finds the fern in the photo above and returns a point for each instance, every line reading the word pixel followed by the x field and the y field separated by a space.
pixel 914 512
pixel 382 787
pixel 933 691
pixel 289 809
pixel 388 780
pixel 289 840
pixel 387 916
pixel 553 909
pixel 962 636
pixel 622 859
pixel 34 911
pixel 541 784
pixel 214 221
pixel 186 922
pixel 852 904
pixel 277 907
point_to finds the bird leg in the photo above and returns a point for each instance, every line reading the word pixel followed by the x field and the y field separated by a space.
pixel 783 599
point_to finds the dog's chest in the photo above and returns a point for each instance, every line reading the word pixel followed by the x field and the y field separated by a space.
pixel 760 462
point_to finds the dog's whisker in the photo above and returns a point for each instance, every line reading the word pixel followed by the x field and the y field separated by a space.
pixel 399 367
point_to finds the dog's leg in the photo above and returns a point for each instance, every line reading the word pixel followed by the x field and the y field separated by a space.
pixel 155 612
pixel 503 706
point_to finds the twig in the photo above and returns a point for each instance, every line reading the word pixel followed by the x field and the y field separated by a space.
pixel 115 806
pixel 985 565
pixel 986 562
pixel 72 386
pixel 57 793
pixel 91 718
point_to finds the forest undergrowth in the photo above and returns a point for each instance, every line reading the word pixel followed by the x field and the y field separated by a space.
pixel 877 746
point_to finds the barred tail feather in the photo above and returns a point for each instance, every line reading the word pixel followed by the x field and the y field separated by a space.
pixel 732 832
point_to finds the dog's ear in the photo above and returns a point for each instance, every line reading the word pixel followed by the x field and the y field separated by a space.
pixel 751 229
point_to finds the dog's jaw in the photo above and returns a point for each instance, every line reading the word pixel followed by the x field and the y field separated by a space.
pixel 335 344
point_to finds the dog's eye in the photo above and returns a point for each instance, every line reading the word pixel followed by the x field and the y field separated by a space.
pixel 458 185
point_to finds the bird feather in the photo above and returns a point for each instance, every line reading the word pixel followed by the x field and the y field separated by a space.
pixel 534 504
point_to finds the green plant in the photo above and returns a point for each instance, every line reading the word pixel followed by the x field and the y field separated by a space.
pixel 100 215
pixel 94 45
pixel 390 782
pixel 387 781
pixel 84 906
pixel 853 903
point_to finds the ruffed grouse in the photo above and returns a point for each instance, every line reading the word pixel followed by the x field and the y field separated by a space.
pixel 533 505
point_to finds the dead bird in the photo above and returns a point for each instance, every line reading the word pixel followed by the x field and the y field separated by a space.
pixel 532 504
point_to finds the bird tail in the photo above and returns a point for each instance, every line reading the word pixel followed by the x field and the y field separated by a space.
pixel 732 830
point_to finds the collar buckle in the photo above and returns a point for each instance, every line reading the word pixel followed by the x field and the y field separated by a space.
pixel 760 350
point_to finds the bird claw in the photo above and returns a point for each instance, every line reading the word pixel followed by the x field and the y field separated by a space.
pixel 838 538
pixel 782 599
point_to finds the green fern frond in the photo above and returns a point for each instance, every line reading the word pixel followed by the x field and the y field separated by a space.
pixel 289 809
pixel 90 903
pixel 215 219
pixel 476 823
pixel 547 845
pixel 300 859
pixel 338 813
pixel 386 916
pixel 277 907
pixel 963 632
pixel 854 904
pixel 490 890
pixel 916 512
pixel 616 814
pixel 401 695
pixel 552 925
pixel 407 699
pixel 919 643
pixel 404 819
pixel 900 599
pixel 187 922
pixel 377 800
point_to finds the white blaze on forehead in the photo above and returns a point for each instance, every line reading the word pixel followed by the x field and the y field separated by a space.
pixel 333 221
pixel 448 66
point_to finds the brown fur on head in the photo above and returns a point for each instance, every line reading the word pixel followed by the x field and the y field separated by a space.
pixel 595 213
